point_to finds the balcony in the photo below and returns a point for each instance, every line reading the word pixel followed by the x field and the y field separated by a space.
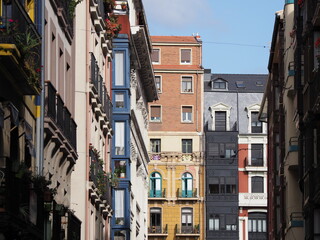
pixel 315 94
pixel 142 43
pixel 20 50
pixel 256 165
pixel 59 125
pixel 98 176
pixel 296 219
pixel 253 199
pixel 187 231
pixel 16 215
pixel 157 194
pixel 65 12
pixel 158 231
pixel 187 194
pixel 99 98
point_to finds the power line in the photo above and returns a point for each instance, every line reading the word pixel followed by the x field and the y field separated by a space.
pixel 238 44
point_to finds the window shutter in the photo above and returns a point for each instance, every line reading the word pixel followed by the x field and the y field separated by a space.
pixel 156 111
pixel 155 55
pixel 185 55
pixel 220 120
pixel 187 109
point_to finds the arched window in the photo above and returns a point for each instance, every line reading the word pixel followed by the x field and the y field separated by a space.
pixel 155 185
pixel 187 185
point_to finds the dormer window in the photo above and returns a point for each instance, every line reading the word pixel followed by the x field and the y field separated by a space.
pixel 219 84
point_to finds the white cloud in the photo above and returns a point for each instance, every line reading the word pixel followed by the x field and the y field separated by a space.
pixel 178 13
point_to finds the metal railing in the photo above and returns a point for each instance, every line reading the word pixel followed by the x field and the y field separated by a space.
pixel 187 193
pixel 55 109
pixel 187 229
pixel 157 194
pixel 158 229
pixel 97 174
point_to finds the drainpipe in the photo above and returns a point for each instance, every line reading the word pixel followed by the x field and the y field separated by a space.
pixel 40 119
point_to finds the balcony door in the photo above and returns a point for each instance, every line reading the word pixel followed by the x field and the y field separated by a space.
pixel 155 185
pixel 186 185
pixel 155 220
pixel 186 220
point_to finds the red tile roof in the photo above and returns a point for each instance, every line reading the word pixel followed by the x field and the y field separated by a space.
pixel 174 39
pixel 176 67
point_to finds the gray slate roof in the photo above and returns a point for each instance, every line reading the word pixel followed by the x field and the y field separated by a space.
pixel 237 82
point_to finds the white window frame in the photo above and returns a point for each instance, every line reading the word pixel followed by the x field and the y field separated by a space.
pixel 186 121
pixel 160 113
pixel 159 91
pixel 250 109
pixel 220 107
pixel 192 84
pixel 256 174
pixel 186 63
pixel 159 56
pixel 264 148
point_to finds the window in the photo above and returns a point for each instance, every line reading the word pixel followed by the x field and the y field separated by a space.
pixel 186 220
pixel 155 56
pixel 120 168
pixel 231 222
pixel 230 185
pixel 155 220
pixel 240 84
pixel 186 114
pixel 186 85
pixel 186 145
pixel 119 138
pixel 119 68
pixel 256 125
pixel 155 185
pixel 219 84
pixel 214 223
pixel 185 56
pixel 257 154
pixel 257 185
pixel 222 185
pixel 119 207
pixel 214 185
pixel 220 120
pixel 257 223
pixel 230 150
pixel 119 99
pixel 155 145
pixel 158 83
pixel 187 185
pixel 155 113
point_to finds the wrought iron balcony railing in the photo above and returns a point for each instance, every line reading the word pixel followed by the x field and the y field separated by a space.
pixel 98 176
pixel 158 230
pixel 157 193
pixel 55 109
pixel 187 193
pixel 189 230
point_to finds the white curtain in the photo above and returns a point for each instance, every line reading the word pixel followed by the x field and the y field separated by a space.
pixel 119 203
pixel 119 138
pixel 158 184
pixel 119 68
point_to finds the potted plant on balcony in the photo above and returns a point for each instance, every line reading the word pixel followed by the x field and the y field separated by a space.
pixel 112 27
pixel 124 6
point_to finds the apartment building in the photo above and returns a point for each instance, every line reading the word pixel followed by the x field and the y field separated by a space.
pixel 133 87
pixel 236 159
pixel 92 180
pixel 290 107
pixel 21 198
pixel 176 168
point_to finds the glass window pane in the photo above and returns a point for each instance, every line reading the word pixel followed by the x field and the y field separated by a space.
pixel 119 138
pixel 119 68
pixel 119 98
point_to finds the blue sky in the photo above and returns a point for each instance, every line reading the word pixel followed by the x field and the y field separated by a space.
pixel 236 34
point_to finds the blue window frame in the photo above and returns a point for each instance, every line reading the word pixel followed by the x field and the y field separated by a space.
pixel 155 185
pixel 187 188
